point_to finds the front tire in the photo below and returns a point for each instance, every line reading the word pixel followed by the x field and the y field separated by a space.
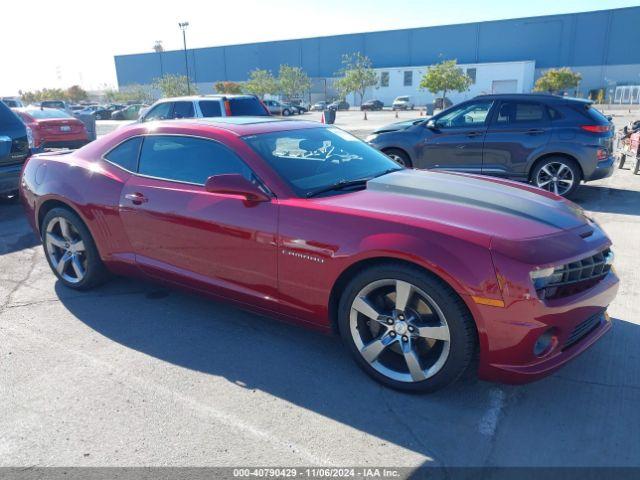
pixel 71 250
pixel 406 328
pixel 558 175
pixel 398 156
pixel 286 113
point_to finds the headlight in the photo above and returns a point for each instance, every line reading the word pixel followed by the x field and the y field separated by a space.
pixel 541 277
pixel 371 138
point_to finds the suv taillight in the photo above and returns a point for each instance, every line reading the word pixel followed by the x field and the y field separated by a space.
pixel 227 108
pixel 596 128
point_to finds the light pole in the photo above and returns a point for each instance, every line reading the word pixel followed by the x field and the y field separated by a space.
pixel 183 26
pixel 159 49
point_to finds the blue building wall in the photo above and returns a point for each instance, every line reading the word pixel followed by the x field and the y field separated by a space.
pixel 601 38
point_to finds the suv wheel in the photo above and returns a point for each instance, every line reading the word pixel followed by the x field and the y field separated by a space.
pixel 558 175
pixel 405 328
pixel 286 112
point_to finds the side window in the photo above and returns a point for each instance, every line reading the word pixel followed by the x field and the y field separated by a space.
pixel 467 115
pixel 408 78
pixel 188 159
pixel 125 155
pixel 183 110
pixel 519 112
pixel 159 112
pixel 210 108
pixel 384 79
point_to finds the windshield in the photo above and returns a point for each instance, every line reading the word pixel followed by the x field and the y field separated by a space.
pixel 47 113
pixel 316 158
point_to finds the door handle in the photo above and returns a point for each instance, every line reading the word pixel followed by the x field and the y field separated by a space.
pixel 534 131
pixel 474 134
pixel 136 198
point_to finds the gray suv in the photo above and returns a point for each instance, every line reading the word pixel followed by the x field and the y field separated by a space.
pixel 550 141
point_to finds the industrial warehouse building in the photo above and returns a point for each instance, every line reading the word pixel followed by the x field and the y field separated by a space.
pixel 501 56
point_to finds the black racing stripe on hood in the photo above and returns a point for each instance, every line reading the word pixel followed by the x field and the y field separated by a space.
pixel 480 194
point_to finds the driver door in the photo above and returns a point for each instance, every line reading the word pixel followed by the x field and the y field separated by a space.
pixel 456 140
pixel 182 233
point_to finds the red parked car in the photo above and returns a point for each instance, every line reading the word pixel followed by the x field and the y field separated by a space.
pixel 53 128
pixel 417 270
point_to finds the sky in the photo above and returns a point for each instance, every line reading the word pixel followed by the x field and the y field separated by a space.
pixel 58 44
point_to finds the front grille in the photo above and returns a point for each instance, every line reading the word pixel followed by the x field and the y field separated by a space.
pixel 576 277
pixel 583 329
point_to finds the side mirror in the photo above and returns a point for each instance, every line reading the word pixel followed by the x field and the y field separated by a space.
pixel 431 123
pixel 235 184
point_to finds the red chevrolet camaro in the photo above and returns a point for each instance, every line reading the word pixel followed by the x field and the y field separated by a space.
pixel 416 270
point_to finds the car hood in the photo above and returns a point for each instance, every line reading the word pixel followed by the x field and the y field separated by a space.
pixel 394 127
pixel 475 207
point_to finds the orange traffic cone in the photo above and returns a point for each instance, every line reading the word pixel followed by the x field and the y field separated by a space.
pixel 322 118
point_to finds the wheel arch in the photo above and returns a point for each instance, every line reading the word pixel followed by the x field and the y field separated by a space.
pixel 547 155
pixel 401 149
pixel 51 203
pixel 355 268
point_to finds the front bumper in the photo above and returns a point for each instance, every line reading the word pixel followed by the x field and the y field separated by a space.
pixel 10 178
pixel 603 169
pixel 508 334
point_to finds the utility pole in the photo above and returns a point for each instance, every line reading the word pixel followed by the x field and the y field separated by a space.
pixel 183 26
pixel 159 49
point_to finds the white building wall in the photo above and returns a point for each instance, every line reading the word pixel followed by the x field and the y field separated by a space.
pixel 489 77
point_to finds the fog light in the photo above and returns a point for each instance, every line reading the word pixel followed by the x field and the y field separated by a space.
pixel 545 343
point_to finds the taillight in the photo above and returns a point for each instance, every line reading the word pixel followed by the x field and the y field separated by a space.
pixel 227 108
pixel 596 128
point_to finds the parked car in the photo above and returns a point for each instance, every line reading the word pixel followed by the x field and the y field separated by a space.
pixel 12 102
pixel 277 107
pixel 438 104
pixel 319 106
pixel 87 118
pixel 205 106
pixel 53 128
pixel 130 112
pixel 372 105
pixel 423 273
pixel 403 102
pixel 550 141
pixel 339 105
pixel 15 146
pixel 301 104
pixel 57 104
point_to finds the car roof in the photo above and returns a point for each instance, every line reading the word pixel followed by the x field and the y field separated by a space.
pixel 240 126
pixel 532 96
pixel 204 97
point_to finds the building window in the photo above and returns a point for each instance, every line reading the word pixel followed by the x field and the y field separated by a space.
pixel 408 78
pixel 384 79
pixel 471 73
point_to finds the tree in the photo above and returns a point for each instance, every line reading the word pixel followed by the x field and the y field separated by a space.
pixel 357 75
pixel 44 94
pixel 174 85
pixel 75 93
pixel 132 93
pixel 228 87
pixel 261 83
pixel 557 80
pixel 294 82
pixel 444 77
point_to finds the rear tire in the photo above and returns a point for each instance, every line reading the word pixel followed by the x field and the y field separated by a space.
pixel 398 156
pixel 71 251
pixel 418 341
pixel 559 175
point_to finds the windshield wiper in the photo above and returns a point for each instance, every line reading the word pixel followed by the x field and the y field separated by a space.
pixel 342 184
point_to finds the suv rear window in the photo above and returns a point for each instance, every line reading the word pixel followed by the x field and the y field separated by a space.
pixel 247 106
pixel 210 108
pixel 596 114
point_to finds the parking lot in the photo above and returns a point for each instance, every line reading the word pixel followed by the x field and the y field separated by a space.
pixel 133 374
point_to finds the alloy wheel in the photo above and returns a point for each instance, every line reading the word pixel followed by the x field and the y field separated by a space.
pixel 399 330
pixel 555 177
pixel 66 250
pixel 397 158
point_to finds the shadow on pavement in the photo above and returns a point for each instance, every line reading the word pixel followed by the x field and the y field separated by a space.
pixel 608 200
pixel 15 232
pixel 453 427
